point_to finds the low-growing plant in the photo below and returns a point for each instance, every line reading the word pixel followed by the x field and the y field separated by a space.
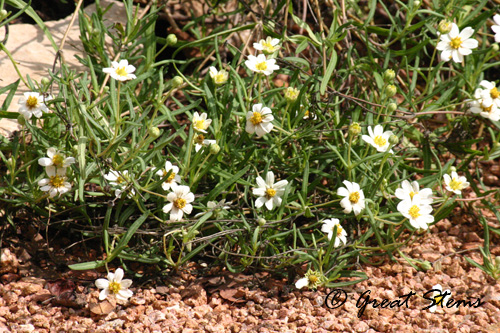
pixel 321 147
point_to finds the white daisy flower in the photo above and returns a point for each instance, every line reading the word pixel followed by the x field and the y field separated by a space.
pixel 269 193
pixel 312 280
pixel 455 44
pixel 200 122
pixel 180 202
pixel 219 77
pixel 120 181
pixel 307 114
pixel 56 183
pixel 489 93
pixel 455 183
pixel 328 227
pixel 496 27
pixel 200 142
pixel 354 198
pixel 259 120
pixel 417 211
pixel 485 108
pixel 439 297
pixel 33 104
pixel 268 45
pixel 114 285
pixel 56 159
pixel 260 64
pixel 378 138
pixel 173 179
pixel 408 191
pixel 120 71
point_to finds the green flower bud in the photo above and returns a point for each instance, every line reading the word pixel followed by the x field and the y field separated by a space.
pixel 105 90
pixel 416 3
pixel 9 162
pixel 426 265
pixel 45 81
pixel 171 39
pixel 354 129
pixel 214 149
pixel 154 132
pixel 495 47
pixel 261 221
pixel 453 169
pixel 391 107
pixel 444 27
pixel 21 120
pixel 393 139
pixel 389 75
pixel 74 150
pixel 177 81
pixel 390 90
pixel 497 262
pixel 3 14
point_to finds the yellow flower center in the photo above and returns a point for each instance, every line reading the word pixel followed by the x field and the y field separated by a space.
pixel 380 141
pixel 220 78
pixel 261 66
pixel 57 181
pixel 120 180
pixel 439 300
pixel 494 93
pixel 412 194
pixel 199 124
pixel 32 102
pixel 487 109
pixel 115 287
pixel 256 118
pixel 354 197
pixel 268 47
pixel 313 279
pixel 291 94
pixel 270 192
pixel 199 139
pixel 339 230
pixel 170 178
pixel 121 71
pixel 180 203
pixel 306 114
pixel 456 43
pixel 455 184
pixel 57 160
pixel 414 211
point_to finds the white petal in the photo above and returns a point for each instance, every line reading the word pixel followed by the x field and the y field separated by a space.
pixel 102 283
pixel 103 294
pixel 301 283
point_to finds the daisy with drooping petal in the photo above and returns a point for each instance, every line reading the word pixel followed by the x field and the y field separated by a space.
pixel 269 193
pixel 56 183
pixel 33 104
pixel 260 64
pixel 312 280
pixel 219 77
pixel 114 285
pixel 378 138
pixel 439 297
pixel 408 191
pixel 259 120
pixel 56 159
pixel 180 202
pixel 200 122
pixel 120 71
pixel 268 45
pixel 417 211
pixel 354 198
pixel 455 44
pixel 488 94
pixel 200 142
pixel 173 179
pixel 485 108
pixel 455 183
pixel 329 226
pixel 120 181
pixel 496 27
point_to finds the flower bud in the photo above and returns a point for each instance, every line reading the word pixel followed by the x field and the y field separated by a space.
pixel 3 14
pixel 106 89
pixel 154 132
pixel 171 39
pixel 495 47
pixel 390 90
pixel 214 149
pixel 497 261
pixel 391 107
pixel 74 150
pixel 354 129
pixel 21 120
pixel 426 265
pixel 9 162
pixel 177 81
pixel 291 94
pixel 45 81
pixel 453 169
pixel 416 3
pixel 389 75
pixel 393 139
pixel 261 221
pixel 444 27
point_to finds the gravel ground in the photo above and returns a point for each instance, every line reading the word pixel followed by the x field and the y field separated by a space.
pixel 237 303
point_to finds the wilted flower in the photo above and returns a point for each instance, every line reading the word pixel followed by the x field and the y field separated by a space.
pixel 268 45
pixel 378 138
pixel 329 226
pixel 115 285
pixel 291 94
pixel 455 183
pixel 312 280
pixel 200 122
pixel 180 202
pixel 120 71
pixel 455 45
pixel 269 192
pixel 219 77
pixel 215 206
pixel 32 104
pixel 261 64
pixel 56 159
pixel 200 142
pixel 354 198
pixel 56 183
pixel 259 120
